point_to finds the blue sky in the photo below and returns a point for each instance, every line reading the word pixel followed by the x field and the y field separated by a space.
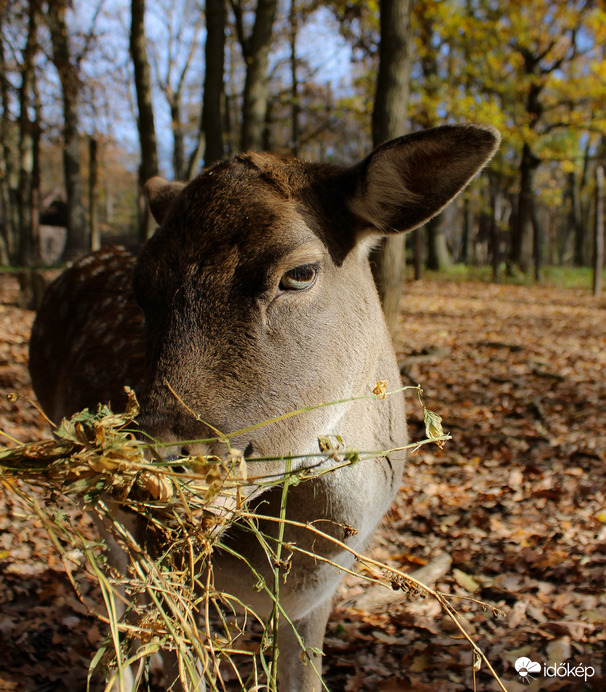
pixel 109 104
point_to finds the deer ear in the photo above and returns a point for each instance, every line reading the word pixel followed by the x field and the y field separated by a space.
pixel 161 194
pixel 406 181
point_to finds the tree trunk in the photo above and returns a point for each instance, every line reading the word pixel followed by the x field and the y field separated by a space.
pixel 28 142
pixel 256 54
pixel 35 196
pixel 537 241
pixel 231 135
pixel 295 106
pixel 438 256
pixel 580 210
pixel 389 117
pixel 9 176
pixel 524 231
pixel 575 221
pixel 388 121
pixel 145 121
pixel 77 242
pixel 495 244
pixel 95 234
pixel 598 238
pixel 586 200
pixel 521 232
pixel 419 237
pixel 268 130
pixel 214 81
pixel 179 167
pixel 466 241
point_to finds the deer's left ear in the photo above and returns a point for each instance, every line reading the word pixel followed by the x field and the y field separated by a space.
pixel 161 194
pixel 406 181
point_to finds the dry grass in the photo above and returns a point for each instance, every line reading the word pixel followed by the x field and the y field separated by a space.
pixel 166 599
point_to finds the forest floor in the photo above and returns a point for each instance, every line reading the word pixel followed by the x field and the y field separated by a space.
pixel 512 511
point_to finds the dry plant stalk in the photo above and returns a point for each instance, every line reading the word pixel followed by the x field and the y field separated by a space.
pixel 168 599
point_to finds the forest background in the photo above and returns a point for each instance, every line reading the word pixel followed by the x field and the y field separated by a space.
pixel 98 96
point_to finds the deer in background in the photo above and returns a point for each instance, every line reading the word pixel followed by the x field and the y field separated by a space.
pixel 255 298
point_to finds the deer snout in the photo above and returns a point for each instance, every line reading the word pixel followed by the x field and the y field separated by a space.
pixel 173 437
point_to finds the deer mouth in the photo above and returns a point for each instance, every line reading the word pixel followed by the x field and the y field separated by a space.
pixel 224 481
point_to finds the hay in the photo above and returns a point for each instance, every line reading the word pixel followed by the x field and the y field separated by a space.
pixel 166 599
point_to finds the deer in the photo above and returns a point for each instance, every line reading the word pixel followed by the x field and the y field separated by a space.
pixel 254 297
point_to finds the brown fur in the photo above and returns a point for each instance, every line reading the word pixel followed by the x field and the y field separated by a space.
pixel 239 348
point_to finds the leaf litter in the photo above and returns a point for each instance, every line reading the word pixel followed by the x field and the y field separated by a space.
pixel 515 501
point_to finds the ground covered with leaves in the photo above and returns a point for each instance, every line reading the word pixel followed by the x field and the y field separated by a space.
pixel 509 519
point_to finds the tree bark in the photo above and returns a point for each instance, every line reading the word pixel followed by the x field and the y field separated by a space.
pixel 521 237
pixel 389 117
pixel 495 245
pixel 537 241
pixel 295 106
pixel 28 145
pixel 419 245
pixel 575 221
pixel 256 55
pixel 438 255
pixel 145 121
pixel 467 240
pixel 95 234
pixel 77 242
pixel 598 238
pixel 35 193
pixel 9 175
pixel 581 205
pixel 524 230
pixel 389 120
pixel 179 165
pixel 214 81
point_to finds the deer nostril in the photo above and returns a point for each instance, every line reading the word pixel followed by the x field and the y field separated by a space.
pixel 249 449
pixel 175 457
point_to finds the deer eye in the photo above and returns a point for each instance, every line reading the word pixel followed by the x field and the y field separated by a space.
pixel 299 278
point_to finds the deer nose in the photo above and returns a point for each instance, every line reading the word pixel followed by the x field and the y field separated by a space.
pixel 175 457
pixel 168 453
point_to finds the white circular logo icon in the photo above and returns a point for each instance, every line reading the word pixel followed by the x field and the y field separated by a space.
pixel 525 666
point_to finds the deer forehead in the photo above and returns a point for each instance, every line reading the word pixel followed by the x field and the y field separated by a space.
pixel 231 220
pixel 256 243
